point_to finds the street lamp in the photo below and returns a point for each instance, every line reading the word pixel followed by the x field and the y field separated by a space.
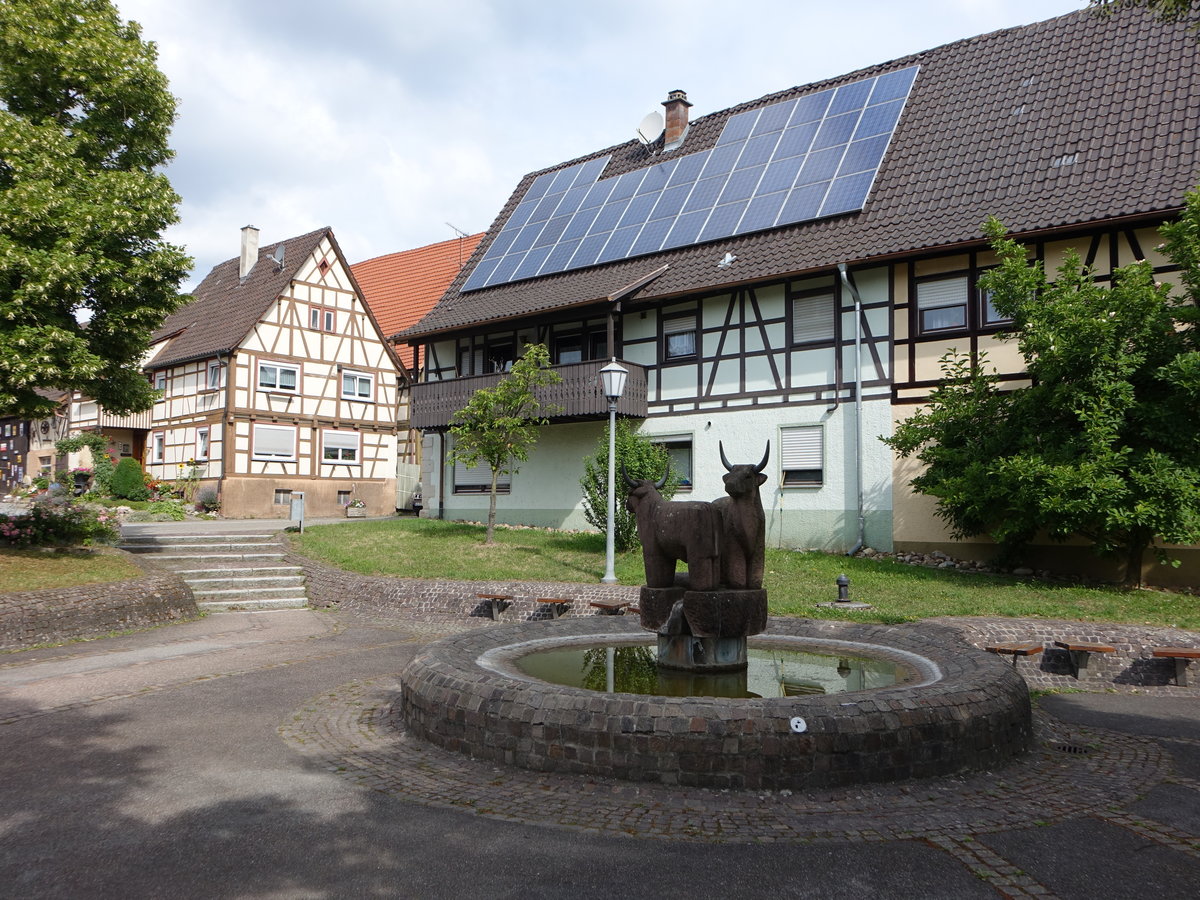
pixel 613 378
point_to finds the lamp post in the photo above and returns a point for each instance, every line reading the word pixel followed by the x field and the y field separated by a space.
pixel 613 378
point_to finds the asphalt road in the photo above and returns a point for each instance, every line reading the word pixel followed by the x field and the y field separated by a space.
pixel 169 764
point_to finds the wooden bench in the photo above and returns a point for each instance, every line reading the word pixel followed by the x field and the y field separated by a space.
pixel 1078 653
pixel 497 603
pixel 557 605
pixel 611 607
pixel 1182 656
pixel 1015 649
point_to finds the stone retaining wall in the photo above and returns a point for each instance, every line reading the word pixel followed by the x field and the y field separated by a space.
pixel 1131 667
pixel 334 588
pixel 58 615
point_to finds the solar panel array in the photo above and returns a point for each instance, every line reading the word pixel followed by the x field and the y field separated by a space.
pixel 800 159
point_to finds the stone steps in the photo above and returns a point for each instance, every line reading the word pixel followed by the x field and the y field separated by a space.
pixel 226 571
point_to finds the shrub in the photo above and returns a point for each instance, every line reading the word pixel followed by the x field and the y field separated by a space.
pixel 641 459
pixel 56 522
pixel 127 482
pixel 171 510
pixel 208 501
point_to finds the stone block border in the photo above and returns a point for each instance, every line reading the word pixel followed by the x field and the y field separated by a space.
pixel 963 712
pixel 1132 667
pixel 58 615
pixel 334 588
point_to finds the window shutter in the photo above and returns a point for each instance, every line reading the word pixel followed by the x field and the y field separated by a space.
pixel 477 476
pixel 801 448
pixel 678 324
pixel 274 441
pixel 813 319
pixel 943 292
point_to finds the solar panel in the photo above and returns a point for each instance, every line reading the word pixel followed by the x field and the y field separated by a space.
pixel 792 161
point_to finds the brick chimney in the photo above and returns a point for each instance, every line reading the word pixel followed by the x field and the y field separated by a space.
pixel 249 250
pixel 677 119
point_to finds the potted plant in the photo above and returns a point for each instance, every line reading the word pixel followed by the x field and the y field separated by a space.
pixel 356 509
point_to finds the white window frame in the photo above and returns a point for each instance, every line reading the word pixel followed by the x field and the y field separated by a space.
pixel 953 292
pixel 160 381
pixel 669 443
pixel 358 377
pixel 158 447
pixel 279 368
pixel 259 428
pixel 322 319
pixel 341 441
pixel 680 325
pixel 801 453
pixel 283 496
pixel 814 318
pixel 202 443
pixel 213 380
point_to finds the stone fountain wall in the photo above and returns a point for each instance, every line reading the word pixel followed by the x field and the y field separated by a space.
pixel 975 716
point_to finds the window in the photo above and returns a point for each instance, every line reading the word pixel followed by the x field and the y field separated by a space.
pixel 802 455
pixel 679 451
pixel 201 443
pixel 160 381
pixel 278 377
pixel 283 496
pixel 214 375
pixel 478 479
pixel 340 447
pixel 679 337
pixel 274 442
pixel 357 386
pixel 942 304
pixel 321 319
pixel 813 318
pixel 568 348
pixel 159 447
pixel 344 498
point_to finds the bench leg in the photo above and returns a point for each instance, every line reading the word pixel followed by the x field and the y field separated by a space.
pixel 1181 666
pixel 1079 663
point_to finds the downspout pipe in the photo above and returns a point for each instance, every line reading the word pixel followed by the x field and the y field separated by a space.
pixel 858 441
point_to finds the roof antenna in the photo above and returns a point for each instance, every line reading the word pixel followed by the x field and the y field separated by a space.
pixel 461 234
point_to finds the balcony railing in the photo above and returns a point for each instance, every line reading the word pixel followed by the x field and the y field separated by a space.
pixel 579 397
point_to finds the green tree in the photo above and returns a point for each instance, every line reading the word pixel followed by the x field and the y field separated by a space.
pixel 97 444
pixel 1167 10
pixel 641 459
pixel 499 425
pixel 84 275
pixel 1105 442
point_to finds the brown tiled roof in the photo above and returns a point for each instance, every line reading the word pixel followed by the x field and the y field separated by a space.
pixel 225 307
pixel 401 287
pixel 985 120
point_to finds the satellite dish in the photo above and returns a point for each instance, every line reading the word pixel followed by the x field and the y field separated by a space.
pixel 650 128
pixel 277 256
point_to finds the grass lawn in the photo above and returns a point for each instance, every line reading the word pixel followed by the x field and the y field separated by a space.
pixel 795 582
pixel 31 570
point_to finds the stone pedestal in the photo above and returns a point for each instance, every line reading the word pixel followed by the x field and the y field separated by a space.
pixel 703 631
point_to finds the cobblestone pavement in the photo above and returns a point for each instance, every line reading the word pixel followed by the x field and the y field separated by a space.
pixel 258 755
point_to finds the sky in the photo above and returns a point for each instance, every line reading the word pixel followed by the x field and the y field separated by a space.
pixel 398 122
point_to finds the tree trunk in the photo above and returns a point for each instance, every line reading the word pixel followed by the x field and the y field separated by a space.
pixel 491 520
pixel 1134 552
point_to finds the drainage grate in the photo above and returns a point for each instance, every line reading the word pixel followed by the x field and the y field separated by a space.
pixel 1076 749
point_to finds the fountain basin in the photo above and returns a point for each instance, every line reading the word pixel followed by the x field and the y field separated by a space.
pixel 957 709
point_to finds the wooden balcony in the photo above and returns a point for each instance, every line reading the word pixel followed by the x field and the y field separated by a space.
pixel 579 397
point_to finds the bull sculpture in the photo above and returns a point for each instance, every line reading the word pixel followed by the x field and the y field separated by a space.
pixel 743 524
pixel 687 530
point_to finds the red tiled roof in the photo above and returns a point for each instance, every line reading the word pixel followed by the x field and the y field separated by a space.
pixel 401 287
pixel 985 122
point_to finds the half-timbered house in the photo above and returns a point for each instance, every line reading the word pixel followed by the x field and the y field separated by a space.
pixel 786 273
pixel 276 379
